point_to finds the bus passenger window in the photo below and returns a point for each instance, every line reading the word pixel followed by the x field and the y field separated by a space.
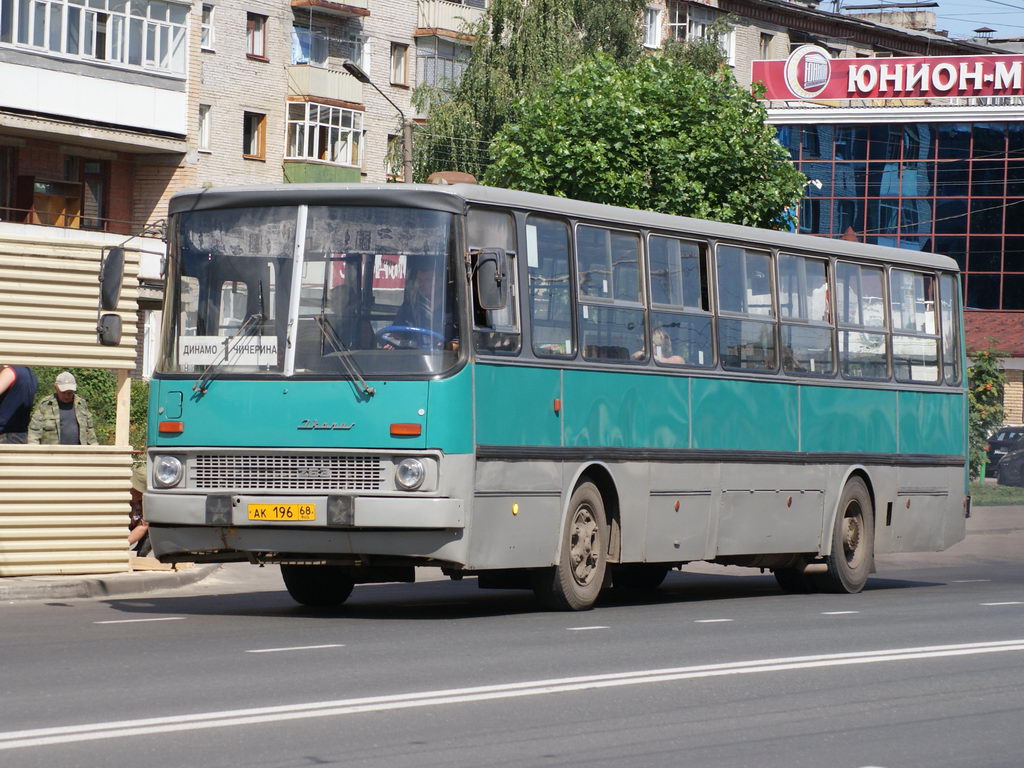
pixel 611 315
pixel 746 330
pixel 950 329
pixel 547 258
pixel 806 314
pixel 680 317
pixel 495 330
pixel 915 339
pixel 860 314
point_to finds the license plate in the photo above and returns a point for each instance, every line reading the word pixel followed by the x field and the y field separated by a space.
pixel 282 512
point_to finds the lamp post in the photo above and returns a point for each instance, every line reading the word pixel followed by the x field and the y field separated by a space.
pixel 357 72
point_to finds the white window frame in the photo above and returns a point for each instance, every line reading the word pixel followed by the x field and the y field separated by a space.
pixel 652 27
pixel 205 127
pixel 208 31
pixel 144 34
pixel 344 142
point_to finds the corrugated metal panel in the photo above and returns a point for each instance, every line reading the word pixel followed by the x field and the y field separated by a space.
pixel 48 301
pixel 64 509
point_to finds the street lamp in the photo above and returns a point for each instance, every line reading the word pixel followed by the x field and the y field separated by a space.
pixel 357 72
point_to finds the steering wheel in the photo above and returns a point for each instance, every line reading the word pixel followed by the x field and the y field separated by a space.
pixel 409 337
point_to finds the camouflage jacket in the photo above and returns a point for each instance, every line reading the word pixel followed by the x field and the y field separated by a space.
pixel 44 427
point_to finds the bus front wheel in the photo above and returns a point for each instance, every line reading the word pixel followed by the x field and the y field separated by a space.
pixel 853 541
pixel 318 586
pixel 575 583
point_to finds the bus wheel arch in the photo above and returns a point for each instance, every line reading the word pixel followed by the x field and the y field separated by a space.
pixel 599 475
pixel 581 569
pixel 851 556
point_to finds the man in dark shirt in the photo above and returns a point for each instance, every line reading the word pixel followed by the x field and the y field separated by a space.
pixel 62 418
pixel 17 393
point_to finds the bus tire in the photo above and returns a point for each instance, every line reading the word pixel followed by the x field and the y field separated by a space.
pixel 318 586
pixel 853 541
pixel 575 583
pixel 639 577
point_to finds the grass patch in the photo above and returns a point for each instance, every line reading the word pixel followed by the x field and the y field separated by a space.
pixel 990 495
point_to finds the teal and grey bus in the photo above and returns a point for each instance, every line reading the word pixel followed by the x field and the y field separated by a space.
pixel 357 380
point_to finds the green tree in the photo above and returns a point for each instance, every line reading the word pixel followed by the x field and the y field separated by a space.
pixel 985 384
pixel 659 134
pixel 519 46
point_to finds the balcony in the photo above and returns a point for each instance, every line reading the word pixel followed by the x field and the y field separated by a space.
pixel 309 80
pixel 348 9
pixel 446 16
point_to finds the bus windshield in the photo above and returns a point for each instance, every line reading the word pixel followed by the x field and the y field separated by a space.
pixel 364 288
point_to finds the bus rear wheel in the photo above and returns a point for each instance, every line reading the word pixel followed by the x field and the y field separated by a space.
pixel 575 583
pixel 853 541
pixel 318 586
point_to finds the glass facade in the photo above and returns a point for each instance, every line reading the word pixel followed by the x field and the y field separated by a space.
pixel 952 188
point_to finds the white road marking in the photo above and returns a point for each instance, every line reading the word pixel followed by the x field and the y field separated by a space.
pixel 710 621
pixel 137 621
pixel 37 737
pixel 584 629
pixel 1008 602
pixel 969 581
pixel 838 613
pixel 297 648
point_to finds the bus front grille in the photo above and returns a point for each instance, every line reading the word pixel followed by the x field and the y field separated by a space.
pixel 286 472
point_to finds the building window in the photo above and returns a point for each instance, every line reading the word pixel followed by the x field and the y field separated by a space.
pixel 652 27
pixel 356 48
pixel 205 125
pixel 399 64
pixel 254 136
pixel 144 33
pixel 308 47
pixel 206 35
pixel 766 45
pixel 696 22
pixel 94 178
pixel 325 133
pixel 256 36
pixel 440 63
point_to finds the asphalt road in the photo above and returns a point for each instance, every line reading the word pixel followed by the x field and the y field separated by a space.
pixel 719 668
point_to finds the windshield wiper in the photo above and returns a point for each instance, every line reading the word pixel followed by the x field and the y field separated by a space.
pixel 344 354
pixel 231 353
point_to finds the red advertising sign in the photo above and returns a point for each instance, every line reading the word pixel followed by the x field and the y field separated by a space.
pixel 811 73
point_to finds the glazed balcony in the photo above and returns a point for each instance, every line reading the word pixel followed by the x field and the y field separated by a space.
pixel 311 80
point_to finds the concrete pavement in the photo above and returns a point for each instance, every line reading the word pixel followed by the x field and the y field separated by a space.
pixel 99 585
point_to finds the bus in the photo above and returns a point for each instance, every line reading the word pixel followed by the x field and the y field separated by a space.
pixel 548 394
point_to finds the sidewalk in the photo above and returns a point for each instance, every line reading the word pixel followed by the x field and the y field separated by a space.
pixel 102 585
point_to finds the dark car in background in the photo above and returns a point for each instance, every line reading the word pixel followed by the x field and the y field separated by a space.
pixel 1000 444
pixel 1010 470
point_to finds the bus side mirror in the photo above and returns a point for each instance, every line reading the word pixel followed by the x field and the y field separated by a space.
pixel 491 278
pixel 108 332
pixel 111 273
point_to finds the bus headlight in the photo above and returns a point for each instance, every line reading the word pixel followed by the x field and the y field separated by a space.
pixel 409 474
pixel 167 471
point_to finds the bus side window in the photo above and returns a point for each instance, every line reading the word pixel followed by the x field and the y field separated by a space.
pixel 495 330
pixel 611 313
pixel 547 259
pixel 950 329
pixel 680 310
pixel 806 316
pixel 915 337
pixel 860 315
pixel 746 325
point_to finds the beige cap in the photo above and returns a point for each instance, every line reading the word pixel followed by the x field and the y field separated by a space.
pixel 66 381
pixel 139 477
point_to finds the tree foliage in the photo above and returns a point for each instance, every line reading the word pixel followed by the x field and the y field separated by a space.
pixel 658 134
pixel 985 384
pixel 519 46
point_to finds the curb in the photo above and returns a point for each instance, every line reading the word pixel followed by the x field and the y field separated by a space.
pixel 112 585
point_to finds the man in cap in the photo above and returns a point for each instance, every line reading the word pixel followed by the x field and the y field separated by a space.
pixel 62 418
pixel 17 392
